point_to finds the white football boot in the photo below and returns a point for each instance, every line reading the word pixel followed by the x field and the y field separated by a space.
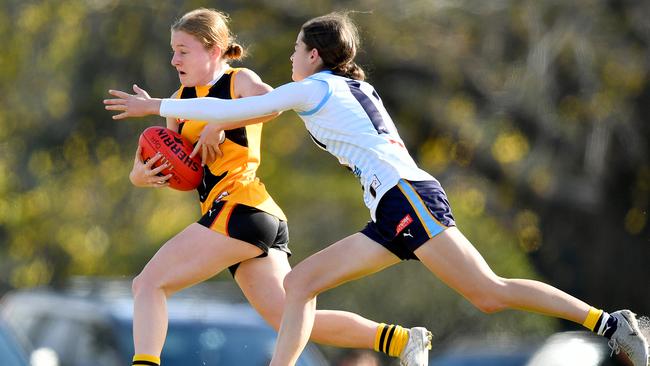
pixel 628 338
pixel 416 352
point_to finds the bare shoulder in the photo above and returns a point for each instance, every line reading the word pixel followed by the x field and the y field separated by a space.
pixel 248 83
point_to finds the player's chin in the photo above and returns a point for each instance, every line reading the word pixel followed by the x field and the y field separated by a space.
pixel 185 79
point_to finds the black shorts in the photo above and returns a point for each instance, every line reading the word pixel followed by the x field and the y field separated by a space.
pixel 408 215
pixel 248 224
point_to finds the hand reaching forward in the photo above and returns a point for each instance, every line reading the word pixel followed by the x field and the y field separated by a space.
pixel 132 105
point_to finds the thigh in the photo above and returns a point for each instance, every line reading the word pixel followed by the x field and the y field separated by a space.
pixel 455 261
pixel 351 258
pixel 260 279
pixel 194 255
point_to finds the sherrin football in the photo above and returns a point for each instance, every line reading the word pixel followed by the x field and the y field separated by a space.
pixel 187 172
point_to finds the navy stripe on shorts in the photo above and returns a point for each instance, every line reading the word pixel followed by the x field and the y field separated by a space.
pixel 408 215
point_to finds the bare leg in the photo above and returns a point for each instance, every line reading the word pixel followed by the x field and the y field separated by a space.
pixel 261 281
pixel 455 261
pixel 192 256
pixel 353 257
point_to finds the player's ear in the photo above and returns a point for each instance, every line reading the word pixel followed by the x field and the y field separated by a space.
pixel 313 54
pixel 216 52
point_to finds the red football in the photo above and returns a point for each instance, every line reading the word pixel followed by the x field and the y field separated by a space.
pixel 187 172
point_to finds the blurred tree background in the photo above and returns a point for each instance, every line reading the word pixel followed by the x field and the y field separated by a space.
pixel 532 114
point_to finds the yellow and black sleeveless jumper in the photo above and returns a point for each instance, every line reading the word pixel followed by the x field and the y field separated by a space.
pixel 231 178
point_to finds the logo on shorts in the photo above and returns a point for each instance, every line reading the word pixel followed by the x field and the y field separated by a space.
pixel 406 221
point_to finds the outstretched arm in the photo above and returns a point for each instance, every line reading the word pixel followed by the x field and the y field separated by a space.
pixel 228 114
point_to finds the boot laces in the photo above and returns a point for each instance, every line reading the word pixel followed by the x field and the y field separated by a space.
pixel 613 344
pixel 616 347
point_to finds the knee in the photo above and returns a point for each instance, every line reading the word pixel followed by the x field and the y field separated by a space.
pixel 490 298
pixel 143 284
pixel 297 284
pixel 488 305
pixel 136 285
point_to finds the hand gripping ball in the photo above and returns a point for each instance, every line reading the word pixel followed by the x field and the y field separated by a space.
pixel 187 172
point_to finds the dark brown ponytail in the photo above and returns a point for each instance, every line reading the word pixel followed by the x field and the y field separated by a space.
pixel 350 70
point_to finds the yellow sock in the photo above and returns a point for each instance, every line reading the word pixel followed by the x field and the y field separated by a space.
pixel 146 360
pixel 592 318
pixel 391 339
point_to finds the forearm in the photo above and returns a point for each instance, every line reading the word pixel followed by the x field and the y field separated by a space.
pixel 232 113
pixel 256 120
pixel 220 111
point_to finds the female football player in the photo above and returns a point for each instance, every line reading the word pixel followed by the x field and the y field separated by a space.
pixel 242 228
pixel 411 217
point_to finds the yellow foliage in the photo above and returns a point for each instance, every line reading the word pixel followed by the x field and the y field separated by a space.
pixel 6 178
pixel 471 202
pixel 461 110
pixel 170 215
pixel 602 104
pixel 33 273
pixel 435 154
pixel 510 147
pixel 627 74
pixel 75 150
pixel 40 163
pixel 541 180
pixel 528 232
pixel 21 249
pixel 635 220
pixel 32 19
pixel 463 152
pixel 572 109
pixel 57 101
pixel 36 203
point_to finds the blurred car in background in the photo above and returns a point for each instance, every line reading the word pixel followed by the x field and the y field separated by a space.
pixel 482 357
pixel 90 322
pixel 501 350
pixel 11 353
pixel 579 348
pixel 576 348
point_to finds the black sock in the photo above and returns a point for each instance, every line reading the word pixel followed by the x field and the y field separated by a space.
pixel 607 329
